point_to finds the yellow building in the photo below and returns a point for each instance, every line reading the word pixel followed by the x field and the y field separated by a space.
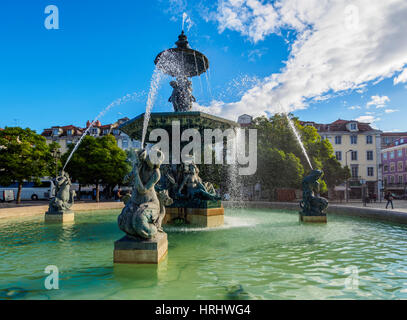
pixel 358 146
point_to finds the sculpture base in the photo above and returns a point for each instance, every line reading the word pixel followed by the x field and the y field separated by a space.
pixel 141 251
pixel 202 217
pixel 59 217
pixel 313 219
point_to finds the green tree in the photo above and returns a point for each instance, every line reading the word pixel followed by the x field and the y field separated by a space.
pixel 24 156
pixel 275 134
pixel 98 161
pixel 334 173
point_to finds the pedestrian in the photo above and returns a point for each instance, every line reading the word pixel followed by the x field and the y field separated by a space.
pixel 118 195
pixel 389 199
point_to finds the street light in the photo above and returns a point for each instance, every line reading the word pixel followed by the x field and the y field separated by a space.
pixel 56 154
pixel 347 180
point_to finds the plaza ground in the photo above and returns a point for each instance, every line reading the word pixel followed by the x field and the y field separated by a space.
pixel 34 208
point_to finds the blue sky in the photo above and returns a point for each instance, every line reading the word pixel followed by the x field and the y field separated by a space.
pixel 105 50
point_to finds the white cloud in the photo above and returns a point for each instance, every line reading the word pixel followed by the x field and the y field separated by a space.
pixel 391 110
pixel 401 78
pixel 256 54
pixel 368 119
pixel 378 101
pixel 354 107
pixel 337 48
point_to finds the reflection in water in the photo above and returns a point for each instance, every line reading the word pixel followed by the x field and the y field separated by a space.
pixel 258 254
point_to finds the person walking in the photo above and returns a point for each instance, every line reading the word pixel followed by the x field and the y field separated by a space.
pixel 389 199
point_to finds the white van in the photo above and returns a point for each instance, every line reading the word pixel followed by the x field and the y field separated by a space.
pixel 32 191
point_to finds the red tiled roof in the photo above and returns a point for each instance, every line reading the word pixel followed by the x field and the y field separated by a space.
pixel 338 125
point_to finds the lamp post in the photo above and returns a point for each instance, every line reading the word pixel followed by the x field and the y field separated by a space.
pixel 347 180
pixel 56 154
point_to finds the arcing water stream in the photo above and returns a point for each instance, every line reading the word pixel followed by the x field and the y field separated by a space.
pixel 117 102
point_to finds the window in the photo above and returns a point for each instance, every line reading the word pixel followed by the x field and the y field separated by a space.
pixel 391 179
pixel 116 132
pixel 369 155
pixel 125 143
pixel 400 179
pixel 392 155
pixel 355 171
pixel 353 126
pixel 385 168
pixel 400 166
pixel 55 132
pixel 385 156
pixel 392 167
pixel 401 140
pixel 354 155
pixel 338 139
pixel 338 155
pixel 68 142
pixel 400 153
pixel 353 139
pixel 94 131
pixel 369 139
pixel 105 131
pixel 370 171
pixel 69 132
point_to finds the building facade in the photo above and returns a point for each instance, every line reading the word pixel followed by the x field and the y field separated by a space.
pixel 394 159
pixel 389 138
pixel 67 135
pixel 358 146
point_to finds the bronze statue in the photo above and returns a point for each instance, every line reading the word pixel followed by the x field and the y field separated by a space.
pixel 195 187
pixel 64 196
pixel 312 204
pixel 181 97
pixel 143 213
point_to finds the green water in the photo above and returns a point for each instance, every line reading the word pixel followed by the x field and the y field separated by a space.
pixel 258 254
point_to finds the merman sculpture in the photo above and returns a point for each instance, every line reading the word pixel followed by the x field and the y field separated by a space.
pixel 59 209
pixel 141 219
pixel 64 196
pixel 195 188
pixel 143 214
pixel 312 204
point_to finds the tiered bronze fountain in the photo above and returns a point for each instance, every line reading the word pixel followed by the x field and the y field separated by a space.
pixel 172 192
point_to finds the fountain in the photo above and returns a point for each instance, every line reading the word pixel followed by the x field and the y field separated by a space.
pixel 312 204
pixel 194 201
pixel 60 206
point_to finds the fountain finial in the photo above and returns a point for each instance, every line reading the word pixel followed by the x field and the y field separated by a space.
pixel 182 41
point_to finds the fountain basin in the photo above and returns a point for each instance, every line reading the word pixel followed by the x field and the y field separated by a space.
pixel 257 254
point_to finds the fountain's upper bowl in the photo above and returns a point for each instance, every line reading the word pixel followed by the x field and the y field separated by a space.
pixel 182 61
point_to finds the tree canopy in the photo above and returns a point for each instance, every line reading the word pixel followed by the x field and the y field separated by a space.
pixel 281 162
pixel 97 161
pixel 24 156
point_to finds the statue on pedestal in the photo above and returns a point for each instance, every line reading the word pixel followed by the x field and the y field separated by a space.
pixel 64 196
pixel 143 213
pixel 312 204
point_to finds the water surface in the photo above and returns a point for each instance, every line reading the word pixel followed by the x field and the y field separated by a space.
pixel 258 254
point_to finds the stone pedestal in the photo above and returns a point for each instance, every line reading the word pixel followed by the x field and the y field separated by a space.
pixel 59 217
pixel 313 219
pixel 141 251
pixel 202 217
